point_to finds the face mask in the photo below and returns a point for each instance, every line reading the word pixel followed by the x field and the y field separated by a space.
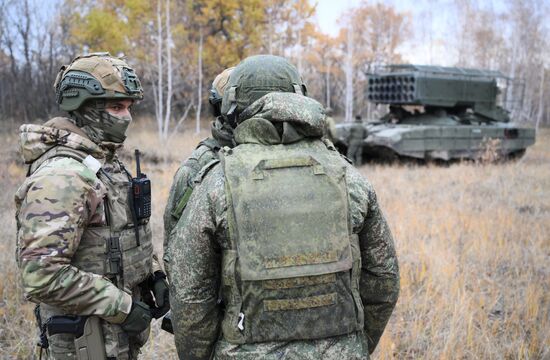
pixel 101 126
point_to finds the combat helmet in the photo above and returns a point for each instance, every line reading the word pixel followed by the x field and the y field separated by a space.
pixel 217 90
pixel 95 76
pixel 256 76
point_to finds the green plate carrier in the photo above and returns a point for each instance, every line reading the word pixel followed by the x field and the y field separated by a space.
pixel 293 270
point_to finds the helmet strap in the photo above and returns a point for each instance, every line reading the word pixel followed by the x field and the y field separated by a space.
pixel 232 115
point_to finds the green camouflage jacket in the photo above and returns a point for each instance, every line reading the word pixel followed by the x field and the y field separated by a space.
pixel 183 184
pixel 201 234
pixel 54 206
pixel 197 164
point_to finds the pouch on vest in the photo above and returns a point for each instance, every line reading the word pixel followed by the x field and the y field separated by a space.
pixel 289 276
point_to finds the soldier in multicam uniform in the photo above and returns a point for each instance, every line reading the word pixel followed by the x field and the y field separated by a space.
pixel 198 163
pixel 357 133
pixel 81 248
pixel 282 251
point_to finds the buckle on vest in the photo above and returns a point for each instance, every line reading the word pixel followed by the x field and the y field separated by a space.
pixel 240 325
pixel 114 257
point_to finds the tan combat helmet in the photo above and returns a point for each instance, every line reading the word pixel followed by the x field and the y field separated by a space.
pixel 217 89
pixel 95 76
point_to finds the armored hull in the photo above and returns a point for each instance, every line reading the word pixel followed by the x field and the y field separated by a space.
pixel 452 141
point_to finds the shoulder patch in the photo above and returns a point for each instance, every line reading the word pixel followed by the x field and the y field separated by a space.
pixel 92 163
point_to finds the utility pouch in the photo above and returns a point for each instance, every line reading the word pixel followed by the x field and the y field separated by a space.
pixel 89 342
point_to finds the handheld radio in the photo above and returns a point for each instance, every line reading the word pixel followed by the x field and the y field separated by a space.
pixel 141 190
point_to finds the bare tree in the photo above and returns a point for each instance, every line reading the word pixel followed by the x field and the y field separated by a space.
pixel 169 92
pixel 349 74
pixel 163 93
pixel 159 90
pixel 541 97
pixel 199 84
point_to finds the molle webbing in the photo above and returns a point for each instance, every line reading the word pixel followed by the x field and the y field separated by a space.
pixel 111 249
pixel 282 223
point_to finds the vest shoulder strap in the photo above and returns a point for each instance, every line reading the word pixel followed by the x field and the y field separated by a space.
pixel 197 179
pixel 210 143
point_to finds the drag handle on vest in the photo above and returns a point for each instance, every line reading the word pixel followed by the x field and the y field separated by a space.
pixel 88 342
pixel 141 191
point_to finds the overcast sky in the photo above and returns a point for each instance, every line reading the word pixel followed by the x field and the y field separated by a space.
pixel 433 25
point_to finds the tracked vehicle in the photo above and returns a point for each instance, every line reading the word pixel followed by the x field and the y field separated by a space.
pixel 440 113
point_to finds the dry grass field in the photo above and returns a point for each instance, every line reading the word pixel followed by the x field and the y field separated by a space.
pixel 473 243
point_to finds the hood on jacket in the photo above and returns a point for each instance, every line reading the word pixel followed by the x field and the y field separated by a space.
pixel 35 140
pixel 280 118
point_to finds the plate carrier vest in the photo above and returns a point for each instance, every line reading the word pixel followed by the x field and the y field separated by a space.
pixel 293 270
pixel 110 249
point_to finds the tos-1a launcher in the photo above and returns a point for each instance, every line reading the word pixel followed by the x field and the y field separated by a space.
pixel 452 89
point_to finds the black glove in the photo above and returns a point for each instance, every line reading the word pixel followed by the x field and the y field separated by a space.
pixel 161 292
pixel 138 319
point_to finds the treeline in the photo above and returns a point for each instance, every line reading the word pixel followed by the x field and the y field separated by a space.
pixel 179 46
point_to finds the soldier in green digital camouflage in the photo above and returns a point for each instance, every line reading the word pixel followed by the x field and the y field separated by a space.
pixel 331 132
pixel 282 251
pixel 198 163
pixel 84 242
pixel 357 133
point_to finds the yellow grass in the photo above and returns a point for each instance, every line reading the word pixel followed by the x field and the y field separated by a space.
pixel 473 243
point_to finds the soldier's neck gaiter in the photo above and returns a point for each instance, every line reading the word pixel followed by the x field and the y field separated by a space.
pixel 101 126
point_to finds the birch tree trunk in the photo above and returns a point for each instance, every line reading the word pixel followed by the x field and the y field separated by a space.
pixel 541 98
pixel 349 75
pixel 300 50
pixel 270 30
pixel 159 98
pixel 328 84
pixel 168 109
pixel 199 85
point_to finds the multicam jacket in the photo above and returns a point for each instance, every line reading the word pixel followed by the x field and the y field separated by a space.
pixel 63 214
pixel 202 237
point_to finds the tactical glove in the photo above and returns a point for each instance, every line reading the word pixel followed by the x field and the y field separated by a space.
pixel 138 319
pixel 161 292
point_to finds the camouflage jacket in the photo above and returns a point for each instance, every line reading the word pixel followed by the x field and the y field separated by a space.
pixel 198 163
pixel 201 234
pixel 183 184
pixel 54 206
